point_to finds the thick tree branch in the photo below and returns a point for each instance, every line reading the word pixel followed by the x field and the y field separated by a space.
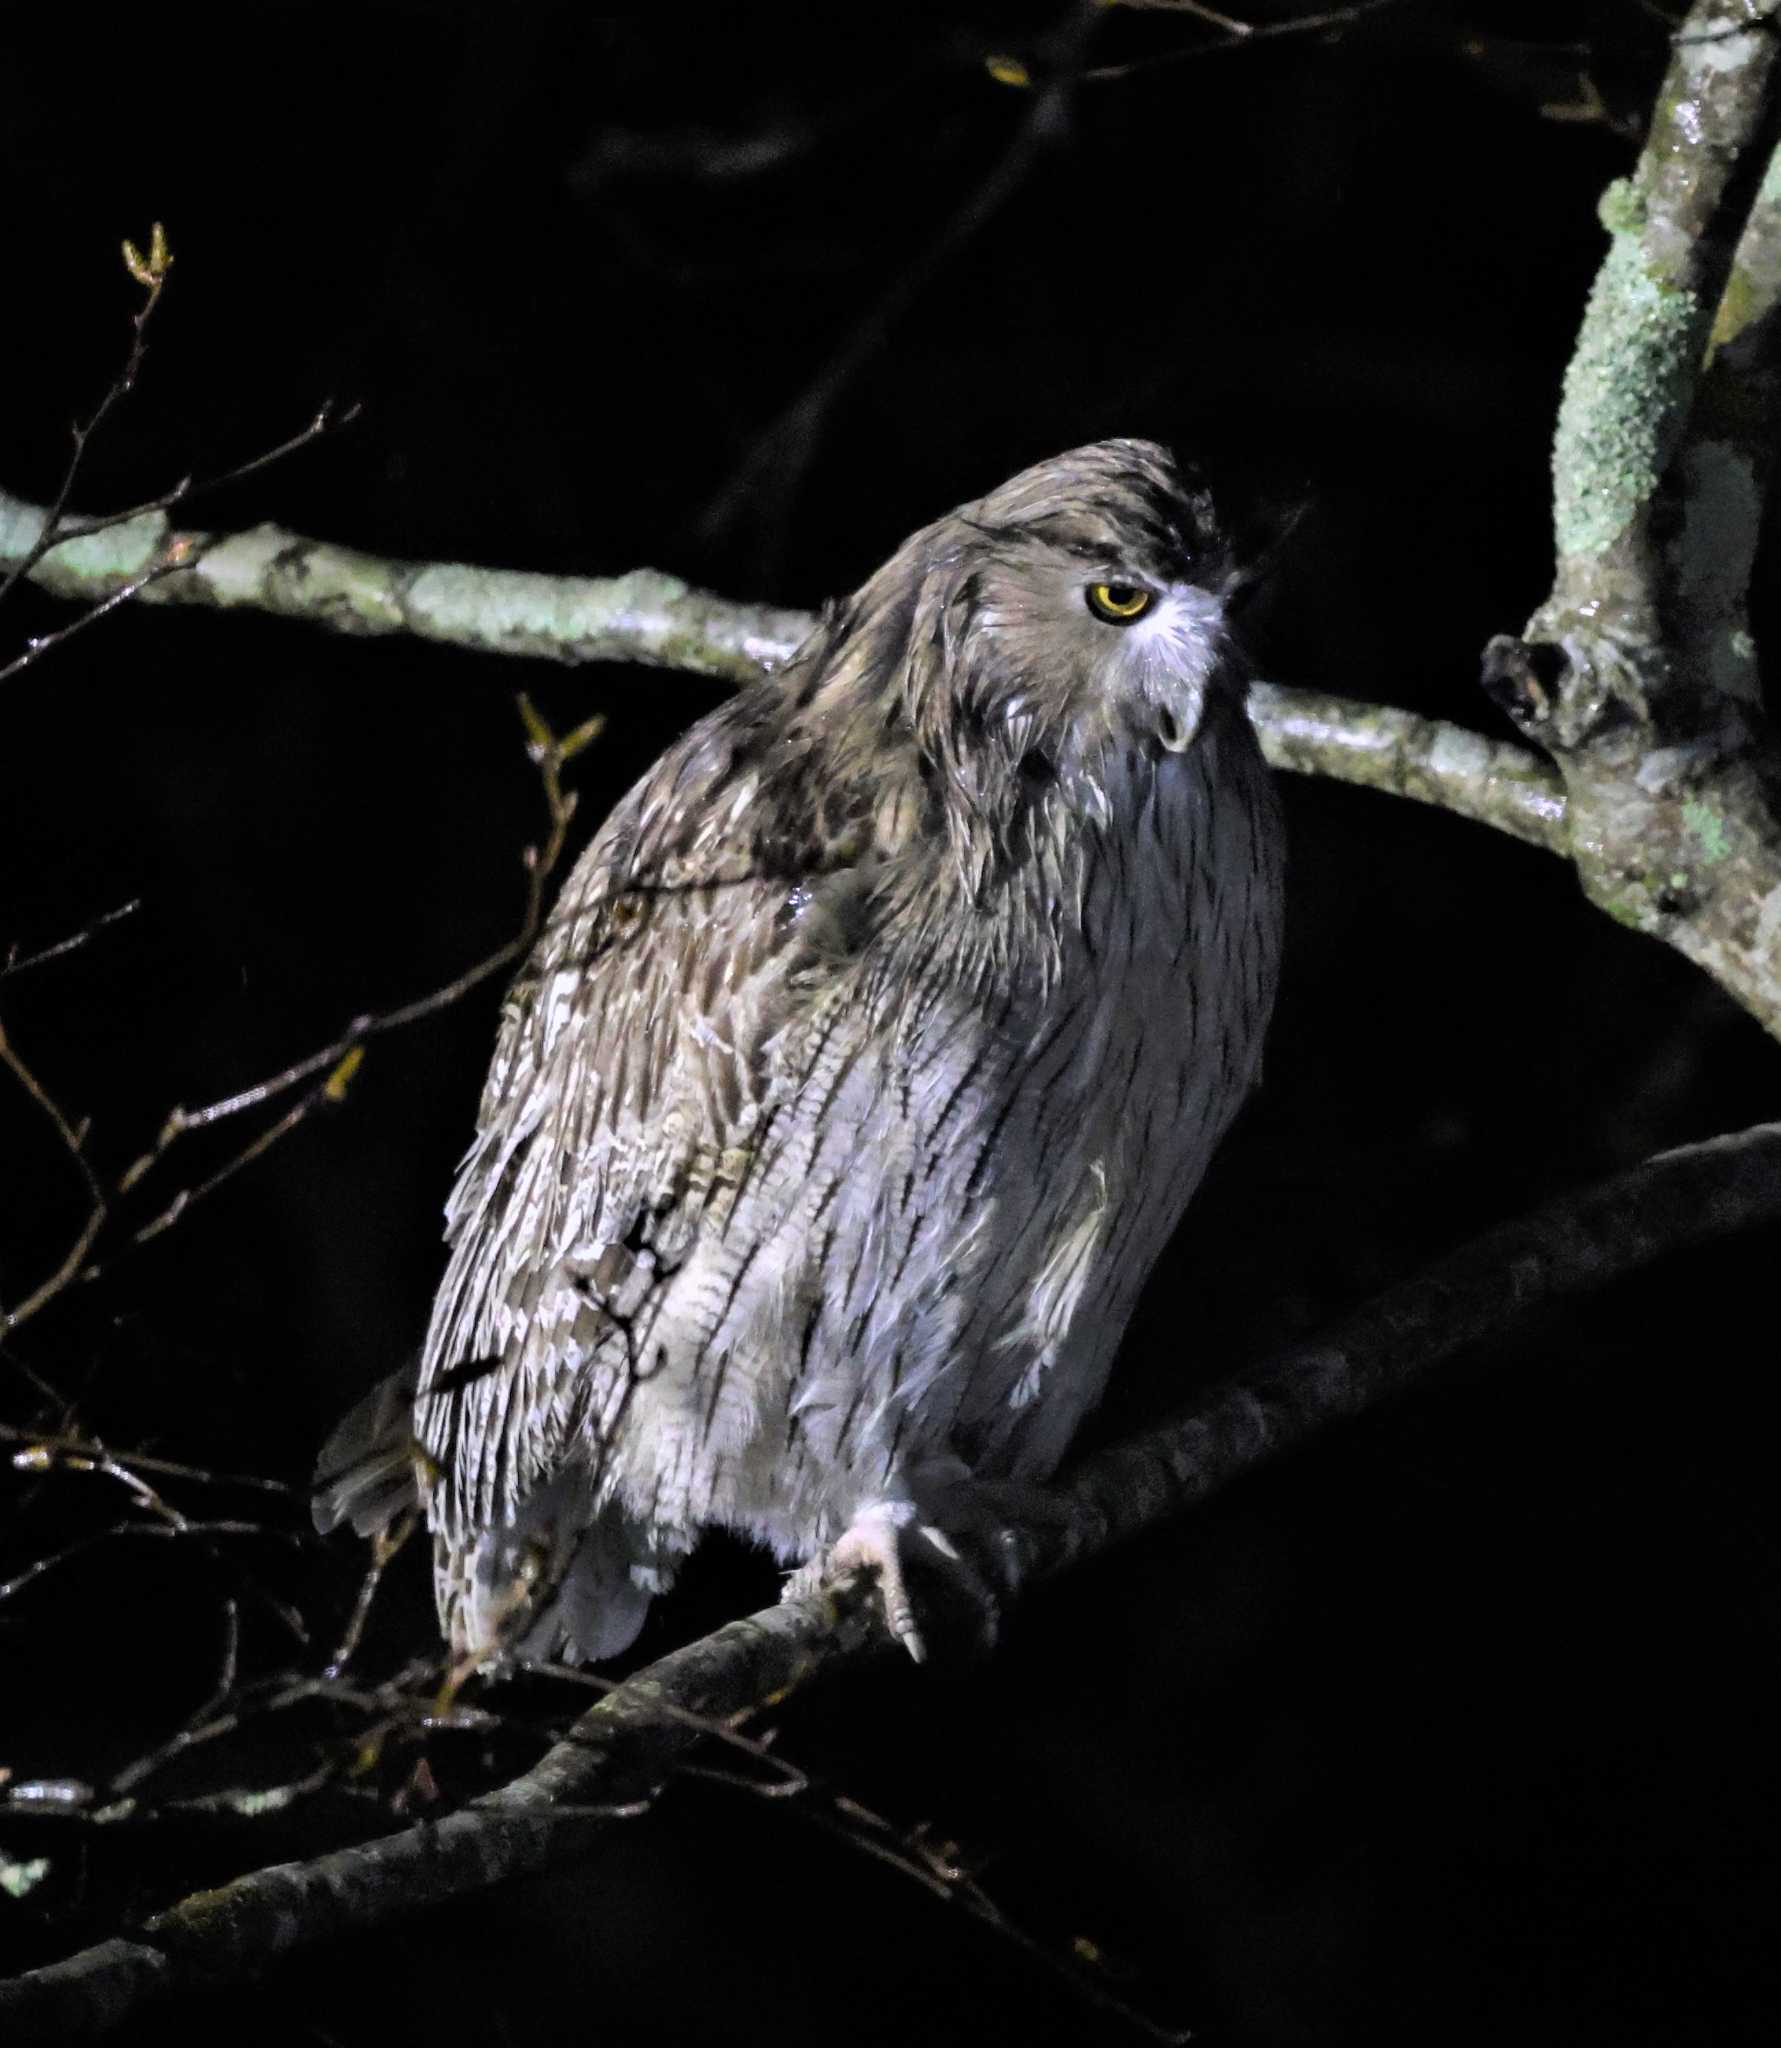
pixel 621 1751
pixel 1638 674
pixel 657 620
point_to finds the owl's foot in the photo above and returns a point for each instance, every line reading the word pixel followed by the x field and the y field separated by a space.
pixel 883 1539
pixel 961 1535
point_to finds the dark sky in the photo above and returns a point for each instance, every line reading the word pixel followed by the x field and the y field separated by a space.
pixel 1453 1729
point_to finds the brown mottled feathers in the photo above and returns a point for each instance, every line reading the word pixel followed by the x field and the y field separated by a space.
pixel 861 1072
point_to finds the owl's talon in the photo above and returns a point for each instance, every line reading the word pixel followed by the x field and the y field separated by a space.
pixel 873 1543
pixel 878 1541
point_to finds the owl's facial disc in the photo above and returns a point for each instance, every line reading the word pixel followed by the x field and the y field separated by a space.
pixel 1162 659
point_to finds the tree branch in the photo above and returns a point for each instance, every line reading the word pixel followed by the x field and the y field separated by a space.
pixel 619 1753
pixel 1638 673
pixel 657 620
pixel 1727 459
pixel 642 617
pixel 1494 782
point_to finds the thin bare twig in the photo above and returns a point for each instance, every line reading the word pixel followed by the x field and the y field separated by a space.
pixel 339 1061
pixel 179 553
pixel 385 1544
pixel 330 1071
pixel 1234 33
pixel 55 529
pixel 17 963
pixel 72 1143
pixel 328 418
pixel 151 272
pixel 550 756
pixel 195 1728
pixel 46 1450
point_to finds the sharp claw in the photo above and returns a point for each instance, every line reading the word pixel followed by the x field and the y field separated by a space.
pixel 899 1609
pixel 874 1543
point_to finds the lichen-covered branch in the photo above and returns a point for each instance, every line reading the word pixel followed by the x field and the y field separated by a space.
pixel 621 1750
pixel 1379 747
pixel 642 616
pixel 1640 348
pixel 1638 674
pixel 647 617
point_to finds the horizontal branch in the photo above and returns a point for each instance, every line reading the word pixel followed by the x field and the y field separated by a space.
pixel 619 1753
pixel 644 616
pixel 1495 782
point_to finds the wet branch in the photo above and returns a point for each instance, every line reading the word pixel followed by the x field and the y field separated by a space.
pixel 619 1753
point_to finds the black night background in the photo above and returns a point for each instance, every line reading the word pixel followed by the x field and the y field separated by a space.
pixel 1458 1726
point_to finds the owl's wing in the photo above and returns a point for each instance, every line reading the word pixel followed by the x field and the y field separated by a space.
pixel 635 1058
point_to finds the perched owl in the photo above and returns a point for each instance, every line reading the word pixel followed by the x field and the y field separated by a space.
pixel 862 1072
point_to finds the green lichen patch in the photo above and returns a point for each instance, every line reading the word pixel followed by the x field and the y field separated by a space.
pixel 1630 375
pixel 16 1879
pixel 1621 208
pixel 1708 829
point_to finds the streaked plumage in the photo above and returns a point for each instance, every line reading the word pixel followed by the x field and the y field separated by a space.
pixel 866 1065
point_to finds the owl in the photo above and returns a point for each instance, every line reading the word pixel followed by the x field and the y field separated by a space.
pixel 858 1079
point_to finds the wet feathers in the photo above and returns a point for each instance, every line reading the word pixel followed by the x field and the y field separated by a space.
pixel 861 1074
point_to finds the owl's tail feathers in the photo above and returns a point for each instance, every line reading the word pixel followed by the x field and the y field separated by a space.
pixel 563 1580
pixel 366 1474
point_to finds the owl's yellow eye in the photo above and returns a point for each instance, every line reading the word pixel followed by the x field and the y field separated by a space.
pixel 1119 603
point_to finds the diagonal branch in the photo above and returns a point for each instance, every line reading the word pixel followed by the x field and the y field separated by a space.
pixel 660 622
pixel 619 1753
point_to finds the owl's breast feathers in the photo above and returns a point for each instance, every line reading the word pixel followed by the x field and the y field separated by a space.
pixel 778 916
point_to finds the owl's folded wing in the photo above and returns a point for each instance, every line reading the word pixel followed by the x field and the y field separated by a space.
pixel 637 1056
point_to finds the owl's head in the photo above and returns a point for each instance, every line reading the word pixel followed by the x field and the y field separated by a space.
pixel 1090 591
pixel 1078 607
pixel 1047 636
